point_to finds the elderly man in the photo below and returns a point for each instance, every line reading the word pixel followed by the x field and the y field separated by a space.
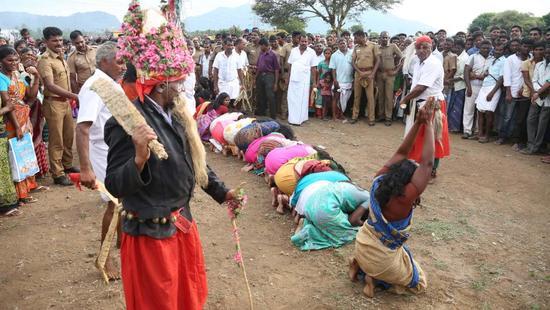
pixel 342 72
pixel 81 61
pixel 90 143
pixel 427 82
pixel 392 61
pixel 58 113
pixel 228 71
pixel 302 66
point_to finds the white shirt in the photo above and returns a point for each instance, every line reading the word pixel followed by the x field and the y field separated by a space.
pixel 480 65
pixel 438 55
pixel 243 58
pixel 320 58
pixel 92 109
pixel 541 76
pixel 301 64
pixel 429 73
pixel 512 74
pixel 460 62
pixel 204 61
pixel 227 66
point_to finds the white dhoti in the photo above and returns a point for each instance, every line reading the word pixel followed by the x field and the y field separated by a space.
pixel 481 101
pixel 231 88
pixel 98 158
pixel 298 101
pixel 345 94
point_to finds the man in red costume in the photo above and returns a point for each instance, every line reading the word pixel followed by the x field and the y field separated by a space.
pixel 427 81
pixel 161 255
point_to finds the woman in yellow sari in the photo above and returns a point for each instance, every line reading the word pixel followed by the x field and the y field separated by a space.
pixel 18 92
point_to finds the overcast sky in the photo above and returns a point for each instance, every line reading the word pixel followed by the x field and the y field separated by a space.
pixel 449 14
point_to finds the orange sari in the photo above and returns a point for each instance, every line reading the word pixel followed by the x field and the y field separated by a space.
pixel 16 92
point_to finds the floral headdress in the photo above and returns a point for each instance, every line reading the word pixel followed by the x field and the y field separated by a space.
pixel 153 42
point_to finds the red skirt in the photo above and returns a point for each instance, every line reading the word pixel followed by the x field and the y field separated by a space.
pixel 164 274
pixel 442 147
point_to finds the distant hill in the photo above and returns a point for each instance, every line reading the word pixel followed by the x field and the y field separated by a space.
pixel 243 17
pixel 86 22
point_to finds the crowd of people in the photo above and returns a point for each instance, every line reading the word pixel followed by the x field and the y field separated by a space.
pixel 241 95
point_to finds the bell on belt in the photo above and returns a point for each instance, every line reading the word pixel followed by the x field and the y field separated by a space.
pixel 123 213
pixel 163 220
pixel 173 218
pixel 155 220
pixel 403 106
pixel 129 216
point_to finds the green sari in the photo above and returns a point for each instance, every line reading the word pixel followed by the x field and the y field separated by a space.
pixel 8 196
pixel 326 223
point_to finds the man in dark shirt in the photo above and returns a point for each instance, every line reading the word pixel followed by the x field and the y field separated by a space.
pixel 267 75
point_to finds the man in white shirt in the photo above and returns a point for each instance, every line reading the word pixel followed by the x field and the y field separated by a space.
pixel 90 143
pixel 516 107
pixel 427 82
pixel 204 60
pixel 302 65
pixel 240 46
pixel 539 112
pixel 228 72
pixel 475 71
pixel 456 104
pixel 342 71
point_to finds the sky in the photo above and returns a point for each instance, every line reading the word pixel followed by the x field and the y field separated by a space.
pixel 448 14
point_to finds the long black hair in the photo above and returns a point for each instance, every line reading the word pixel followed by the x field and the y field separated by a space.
pixel 324 155
pixel 394 181
pixel 218 102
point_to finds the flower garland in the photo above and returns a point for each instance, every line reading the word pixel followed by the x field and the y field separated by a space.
pixel 234 208
pixel 158 52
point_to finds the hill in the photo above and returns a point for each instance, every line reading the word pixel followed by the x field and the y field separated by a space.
pixel 243 17
pixel 88 21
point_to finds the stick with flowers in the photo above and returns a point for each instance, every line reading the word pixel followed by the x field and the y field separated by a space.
pixel 234 208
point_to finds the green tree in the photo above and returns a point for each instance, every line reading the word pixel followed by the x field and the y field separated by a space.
pixel 293 24
pixel 482 21
pixel 546 20
pixel 355 28
pixel 333 12
pixel 506 20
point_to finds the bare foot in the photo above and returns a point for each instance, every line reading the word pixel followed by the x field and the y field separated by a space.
pixel 242 155
pixel 353 269
pixel 281 207
pixel 225 151
pixel 368 290
pixel 247 168
pixel 300 226
pixel 111 269
pixel 274 200
pixel 297 218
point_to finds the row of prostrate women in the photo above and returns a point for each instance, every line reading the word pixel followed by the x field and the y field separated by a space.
pixel 328 207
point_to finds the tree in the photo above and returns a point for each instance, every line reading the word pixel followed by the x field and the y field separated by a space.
pixel 292 24
pixel 355 28
pixel 482 21
pixel 546 20
pixel 506 20
pixel 333 12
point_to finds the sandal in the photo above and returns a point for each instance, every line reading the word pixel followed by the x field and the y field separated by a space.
pixel 545 159
pixel 41 188
pixel 28 200
pixel 12 212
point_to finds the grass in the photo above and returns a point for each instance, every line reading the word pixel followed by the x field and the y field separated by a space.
pixel 441 265
pixel 488 274
pixel 443 230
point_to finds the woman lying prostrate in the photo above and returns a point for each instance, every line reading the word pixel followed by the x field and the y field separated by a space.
pixel 208 112
pixel 295 169
pixel 256 130
pixel 231 130
pixel 263 145
pixel 332 216
pixel 380 250
pixel 308 185
pixel 218 125
pixel 280 156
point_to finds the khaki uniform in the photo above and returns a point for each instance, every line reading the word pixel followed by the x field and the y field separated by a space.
pixel 449 64
pixel 364 57
pixel 196 57
pixel 58 113
pixel 82 65
pixel 253 52
pixel 385 78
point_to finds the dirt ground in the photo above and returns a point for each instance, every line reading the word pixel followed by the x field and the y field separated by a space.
pixel 481 236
